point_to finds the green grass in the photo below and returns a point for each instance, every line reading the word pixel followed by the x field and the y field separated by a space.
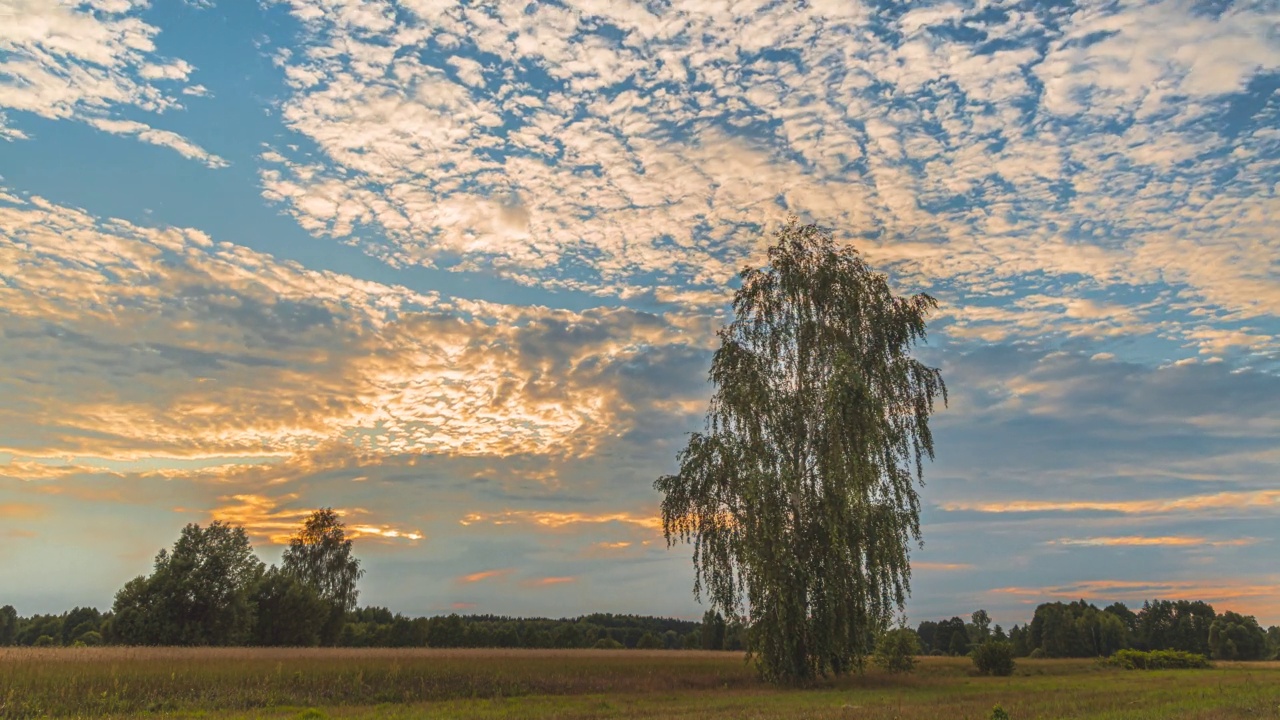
pixel 343 683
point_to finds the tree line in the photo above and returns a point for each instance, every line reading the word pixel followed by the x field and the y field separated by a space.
pixel 211 589
pixel 1079 629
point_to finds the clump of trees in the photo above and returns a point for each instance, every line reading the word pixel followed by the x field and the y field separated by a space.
pixel 211 589
pixel 799 497
pixel 1080 629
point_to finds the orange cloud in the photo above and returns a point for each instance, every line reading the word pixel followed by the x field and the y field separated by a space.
pixel 26 470
pixel 262 517
pixel 1142 541
pixel 614 545
pixel 554 520
pixel 548 581
pixel 1238 500
pixel 21 511
pixel 484 575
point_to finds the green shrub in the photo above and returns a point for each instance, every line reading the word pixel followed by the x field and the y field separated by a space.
pixel 605 643
pixel 1159 660
pixel 93 637
pixel 994 657
pixel 45 641
pixel 998 713
pixel 1037 654
pixel 897 649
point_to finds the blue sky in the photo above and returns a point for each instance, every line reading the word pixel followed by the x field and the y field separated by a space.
pixel 455 269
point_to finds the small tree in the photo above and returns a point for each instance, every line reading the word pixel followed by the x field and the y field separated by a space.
pixel 8 625
pixel 897 649
pixel 994 657
pixel 981 626
pixel 799 497
pixel 713 630
pixel 320 555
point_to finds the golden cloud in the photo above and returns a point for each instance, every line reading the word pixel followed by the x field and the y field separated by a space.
pixel 1227 500
pixel 22 511
pixel 554 520
pixel 378 368
pixel 263 517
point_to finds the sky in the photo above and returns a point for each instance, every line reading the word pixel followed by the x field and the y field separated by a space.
pixel 455 270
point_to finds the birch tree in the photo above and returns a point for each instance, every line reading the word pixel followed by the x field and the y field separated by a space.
pixel 799 497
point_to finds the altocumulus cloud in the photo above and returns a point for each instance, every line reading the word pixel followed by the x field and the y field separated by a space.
pixel 454 268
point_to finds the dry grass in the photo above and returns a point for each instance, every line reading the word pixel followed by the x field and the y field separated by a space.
pixel 366 683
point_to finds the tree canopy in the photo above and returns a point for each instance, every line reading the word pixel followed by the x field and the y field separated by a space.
pixel 320 556
pixel 199 594
pixel 799 496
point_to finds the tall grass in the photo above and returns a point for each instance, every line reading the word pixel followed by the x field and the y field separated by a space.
pixel 367 683
pixel 75 681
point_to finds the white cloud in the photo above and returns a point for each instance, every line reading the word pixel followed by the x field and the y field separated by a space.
pixel 663 144
pixel 233 352
pixel 88 61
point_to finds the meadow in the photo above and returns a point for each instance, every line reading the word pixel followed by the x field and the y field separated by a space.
pixel 376 683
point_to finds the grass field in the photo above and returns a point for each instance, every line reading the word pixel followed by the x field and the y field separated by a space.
pixel 344 683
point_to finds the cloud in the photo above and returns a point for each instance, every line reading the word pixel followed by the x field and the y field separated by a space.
pixel 548 581
pixel 1148 541
pixel 269 518
pixel 1073 164
pixel 21 511
pixel 1231 500
pixel 300 358
pixel 484 575
pixel 90 63
pixel 939 566
pixel 555 520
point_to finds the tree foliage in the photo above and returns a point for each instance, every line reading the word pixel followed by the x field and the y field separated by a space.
pixel 290 612
pixel 1233 636
pixel 8 625
pixel 896 650
pixel 199 594
pixel 993 657
pixel 799 496
pixel 320 555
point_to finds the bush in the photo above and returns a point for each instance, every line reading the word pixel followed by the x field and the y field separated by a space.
pixel 1159 660
pixel 605 643
pixel 897 649
pixel 91 638
pixel 998 713
pixel 45 641
pixel 994 657
pixel 1037 654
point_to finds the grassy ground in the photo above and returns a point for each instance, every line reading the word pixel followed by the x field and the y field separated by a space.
pixel 236 683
